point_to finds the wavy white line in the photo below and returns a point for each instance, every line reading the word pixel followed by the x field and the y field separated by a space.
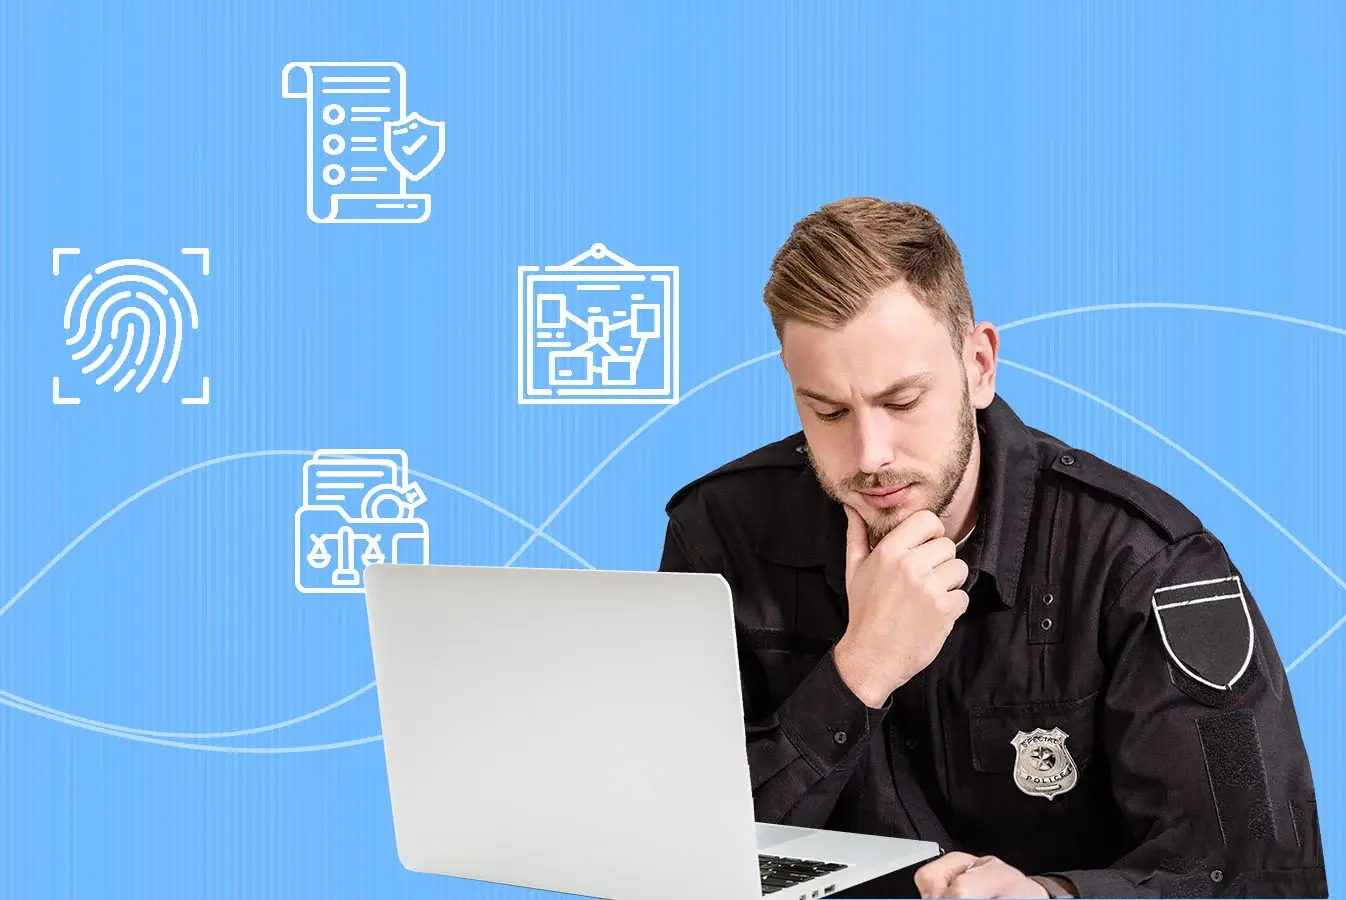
pixel 1198 307
pixel 147 736
pixel 1331 329
pixel 164 737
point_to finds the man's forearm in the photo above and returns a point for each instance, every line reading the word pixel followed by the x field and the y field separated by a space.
pixel 803 755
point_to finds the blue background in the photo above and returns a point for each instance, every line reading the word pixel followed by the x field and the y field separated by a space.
pixel 1081 155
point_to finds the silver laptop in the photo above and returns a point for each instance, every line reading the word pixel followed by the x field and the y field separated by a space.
pixel 582 732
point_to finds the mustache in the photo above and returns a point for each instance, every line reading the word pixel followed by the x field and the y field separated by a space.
pixel 864 481
pixel 873 481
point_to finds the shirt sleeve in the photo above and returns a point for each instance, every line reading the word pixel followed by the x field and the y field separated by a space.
pixel 802 753
pixel 1202 740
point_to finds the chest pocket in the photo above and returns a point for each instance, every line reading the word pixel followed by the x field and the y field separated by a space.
pixel 993 731
pixel 775 662
pixel 787 622
pixel 1036 785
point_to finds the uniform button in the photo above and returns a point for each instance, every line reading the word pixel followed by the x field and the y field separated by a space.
pixel 1216 875
pixel 1047 599
pixel 1046 624
pixel 912 743
pixel 839 737
pixel 1067 460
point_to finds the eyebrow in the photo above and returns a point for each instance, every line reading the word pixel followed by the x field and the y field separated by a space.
pixel 907 381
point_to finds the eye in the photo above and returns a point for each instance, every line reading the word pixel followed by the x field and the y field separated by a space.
pixel 832 416
pixel 903 407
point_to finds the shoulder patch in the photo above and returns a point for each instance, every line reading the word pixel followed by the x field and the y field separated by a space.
pixel 1206 629
pixel 787 453
pixel 1164 511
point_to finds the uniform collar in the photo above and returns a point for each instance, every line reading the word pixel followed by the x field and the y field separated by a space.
pixel 810 527
pixel 1009 476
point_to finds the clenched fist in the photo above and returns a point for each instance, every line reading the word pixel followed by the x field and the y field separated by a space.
pixel 904 595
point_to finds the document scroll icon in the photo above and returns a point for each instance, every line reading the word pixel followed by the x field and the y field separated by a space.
pixel 363 146
pixel 359 510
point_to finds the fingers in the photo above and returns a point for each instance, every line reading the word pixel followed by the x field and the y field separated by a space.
pixel 933 878
pixel 857 540
pixel 917 528
pixel 964 875
pixel 992 878
pixel 951 574
pixel 932 554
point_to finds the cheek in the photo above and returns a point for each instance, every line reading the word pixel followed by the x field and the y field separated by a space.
pixel 925 438
pixel 831 453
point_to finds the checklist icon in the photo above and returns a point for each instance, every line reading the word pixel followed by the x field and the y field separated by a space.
pixel 363 145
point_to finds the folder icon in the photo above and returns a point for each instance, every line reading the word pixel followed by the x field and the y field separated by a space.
pixel 358 510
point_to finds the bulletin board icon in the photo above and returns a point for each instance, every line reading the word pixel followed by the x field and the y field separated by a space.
pixel 598 329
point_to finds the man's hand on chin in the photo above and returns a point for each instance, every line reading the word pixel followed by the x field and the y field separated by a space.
pixel 964 875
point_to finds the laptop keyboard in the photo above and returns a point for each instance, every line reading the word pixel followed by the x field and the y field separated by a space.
pixel 780 872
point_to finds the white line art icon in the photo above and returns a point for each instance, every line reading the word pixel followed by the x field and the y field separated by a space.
pixel 363 146
pixel 125 323
pixel 359 510
pixel 598 329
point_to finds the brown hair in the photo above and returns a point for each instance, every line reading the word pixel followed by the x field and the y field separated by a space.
pixel 838 257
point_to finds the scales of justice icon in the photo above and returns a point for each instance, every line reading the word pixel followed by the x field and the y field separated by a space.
pixel 359 510
pixel 345 574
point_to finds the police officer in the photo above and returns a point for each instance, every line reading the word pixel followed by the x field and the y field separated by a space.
pixel 954 627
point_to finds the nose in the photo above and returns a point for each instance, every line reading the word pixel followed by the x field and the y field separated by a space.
pixel 873 438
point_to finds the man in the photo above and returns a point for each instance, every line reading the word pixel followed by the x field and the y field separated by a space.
pixel 954 627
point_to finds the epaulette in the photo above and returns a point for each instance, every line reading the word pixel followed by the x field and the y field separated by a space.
pixel 1165 512
pixel 786 453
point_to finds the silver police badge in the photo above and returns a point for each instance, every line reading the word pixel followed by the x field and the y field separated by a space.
pixel 1043 766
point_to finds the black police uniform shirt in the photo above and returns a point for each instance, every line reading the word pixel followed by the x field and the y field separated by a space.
pixel 1110 708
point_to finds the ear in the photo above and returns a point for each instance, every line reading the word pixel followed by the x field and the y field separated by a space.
pixel 980 349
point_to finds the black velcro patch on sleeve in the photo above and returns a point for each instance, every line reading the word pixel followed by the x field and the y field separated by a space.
pixel 1237 772
pixel 1211 697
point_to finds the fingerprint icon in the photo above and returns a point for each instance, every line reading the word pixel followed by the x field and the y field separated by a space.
pixel 127 320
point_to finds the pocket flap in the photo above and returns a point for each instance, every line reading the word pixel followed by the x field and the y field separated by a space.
pixel 994 728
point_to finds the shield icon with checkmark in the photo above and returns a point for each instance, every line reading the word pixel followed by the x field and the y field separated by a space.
pixel 414 145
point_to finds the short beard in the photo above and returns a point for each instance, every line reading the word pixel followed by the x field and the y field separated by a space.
pixel 947 480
